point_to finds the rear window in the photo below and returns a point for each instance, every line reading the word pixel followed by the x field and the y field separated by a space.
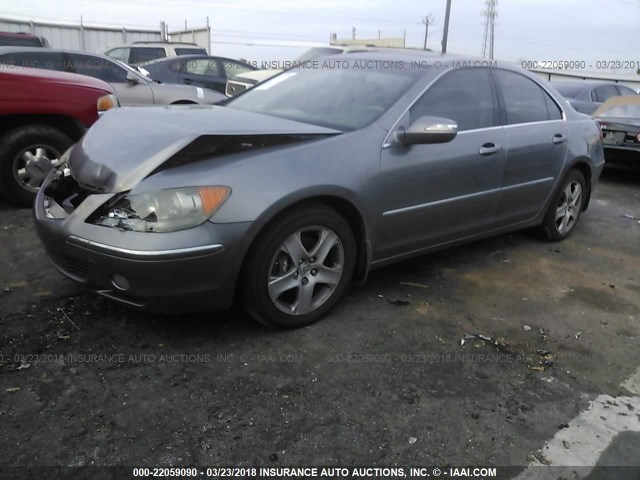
pixel 190 51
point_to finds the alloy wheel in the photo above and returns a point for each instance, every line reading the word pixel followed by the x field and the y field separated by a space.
pixel 569 206
pixel 306 270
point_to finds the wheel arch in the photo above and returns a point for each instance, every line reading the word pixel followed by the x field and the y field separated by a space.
pixel 583 165
pixel 68 125
pixel 342 203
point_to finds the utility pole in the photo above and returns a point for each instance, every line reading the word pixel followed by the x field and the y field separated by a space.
pixel 445 34
pixel 426 21
pixel 490 14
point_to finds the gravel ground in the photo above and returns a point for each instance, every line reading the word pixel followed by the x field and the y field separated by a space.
pixel 383 380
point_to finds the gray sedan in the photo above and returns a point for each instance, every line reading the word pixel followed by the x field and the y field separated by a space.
pixel 132 88
pixel 588 96
pixel 311 179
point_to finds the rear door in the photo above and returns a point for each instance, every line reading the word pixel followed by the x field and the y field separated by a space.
pixel 536 138
pixel 434 194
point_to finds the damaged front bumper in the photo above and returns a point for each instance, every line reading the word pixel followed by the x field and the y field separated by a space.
pixel 175 272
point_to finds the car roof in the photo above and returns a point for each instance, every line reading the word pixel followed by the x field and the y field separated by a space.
pixel 15 49
pixel 18 35
pixel 582 83
pixel 154 44
pixel 194 56
pixel 55 76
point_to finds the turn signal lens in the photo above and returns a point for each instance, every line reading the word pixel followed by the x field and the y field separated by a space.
pixel 107 102
pixel 212 198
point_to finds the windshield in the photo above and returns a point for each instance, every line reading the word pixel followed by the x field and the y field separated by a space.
pixel 621 111
pixel 340 98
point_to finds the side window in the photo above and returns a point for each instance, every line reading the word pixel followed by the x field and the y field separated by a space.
pixel 144 54
pixel 554 111
pixel 525 101
pixel 190 51
pixel 605 93
pixel 98 68
pixel 234 68
pixel 44 60
pixel 202 66
pixel 121 54
pixel 176 66
pixel 625 90
pixel 465 96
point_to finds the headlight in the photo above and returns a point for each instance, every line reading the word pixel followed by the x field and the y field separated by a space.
pixel 163 210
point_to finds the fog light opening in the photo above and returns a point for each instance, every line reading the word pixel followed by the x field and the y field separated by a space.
pixel 120 282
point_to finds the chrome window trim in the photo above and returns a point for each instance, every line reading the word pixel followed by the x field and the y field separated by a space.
pixel 78 241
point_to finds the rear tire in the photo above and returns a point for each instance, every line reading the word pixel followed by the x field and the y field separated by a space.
pixel 26 156
pixel 299 267
pixel 565 207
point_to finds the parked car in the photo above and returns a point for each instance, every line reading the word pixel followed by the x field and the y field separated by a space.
pixel 312 178
pixel 21 39
pixel 201 70
pixel 132 88
pixel 42 114
pixel 245 80
pixel 587 96
pixel 619 119
pixel 139 52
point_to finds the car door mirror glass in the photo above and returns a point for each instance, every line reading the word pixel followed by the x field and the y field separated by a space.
pixel 429 130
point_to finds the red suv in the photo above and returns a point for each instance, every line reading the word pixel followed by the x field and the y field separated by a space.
pixel 42 113
pixel 22 39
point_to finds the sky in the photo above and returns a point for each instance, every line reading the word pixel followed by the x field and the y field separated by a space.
pixel 592 31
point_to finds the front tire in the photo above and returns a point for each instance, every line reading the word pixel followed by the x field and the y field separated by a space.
pixel 26 156
pixel 565 207
pixel 299 267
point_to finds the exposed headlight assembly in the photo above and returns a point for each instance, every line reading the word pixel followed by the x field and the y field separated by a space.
pixel 163 210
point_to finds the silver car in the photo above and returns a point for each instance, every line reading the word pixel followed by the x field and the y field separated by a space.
pixel 312 178
pixel 132 88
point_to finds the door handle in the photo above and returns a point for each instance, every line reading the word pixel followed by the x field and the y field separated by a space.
pixel 489 149
pixel 188 81
pixel 558 138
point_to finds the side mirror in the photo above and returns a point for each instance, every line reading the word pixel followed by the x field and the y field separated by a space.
pixel 132 79
pixel 429 130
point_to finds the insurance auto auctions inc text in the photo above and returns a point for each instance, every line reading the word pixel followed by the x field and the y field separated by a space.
pixel 376 472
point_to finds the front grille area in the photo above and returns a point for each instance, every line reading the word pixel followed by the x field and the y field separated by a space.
pixel 73 268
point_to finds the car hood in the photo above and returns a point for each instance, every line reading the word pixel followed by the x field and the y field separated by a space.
pixel 128 144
